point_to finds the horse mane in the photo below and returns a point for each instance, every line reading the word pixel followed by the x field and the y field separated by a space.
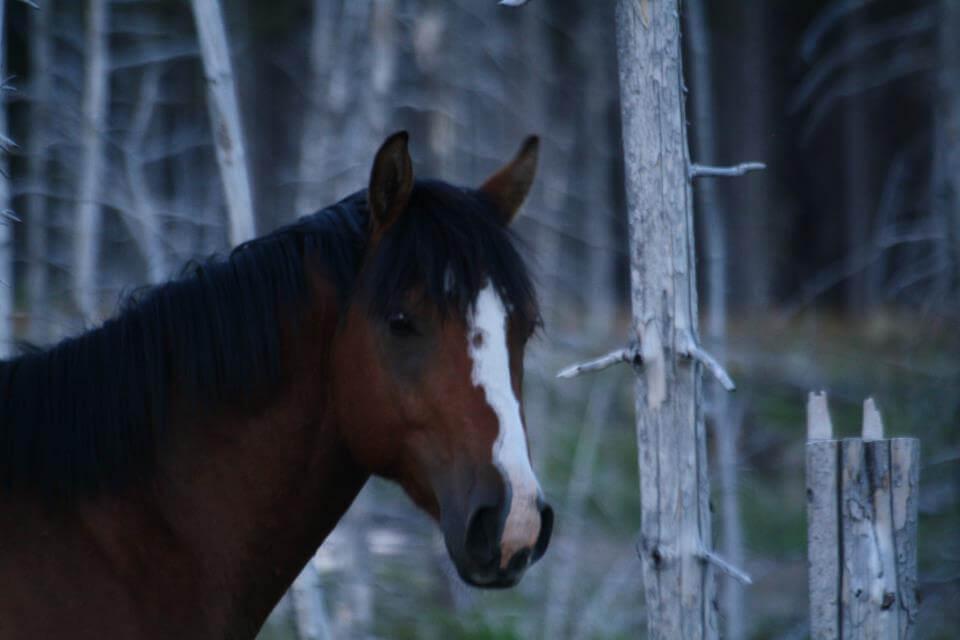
pixel 89 413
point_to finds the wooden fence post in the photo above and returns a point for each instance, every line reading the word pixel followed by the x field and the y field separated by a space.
pixel 861 535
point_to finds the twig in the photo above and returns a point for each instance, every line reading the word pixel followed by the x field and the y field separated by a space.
pixel 902 64
pixel 31 3
pixel 846 54
pixel 824 22
pixel 710 364
pixel 10 215
pixel 732 571
pixel 698 170
pixel 629 354
pixel 513 3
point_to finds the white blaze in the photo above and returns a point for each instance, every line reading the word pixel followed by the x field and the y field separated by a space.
pixel 487 346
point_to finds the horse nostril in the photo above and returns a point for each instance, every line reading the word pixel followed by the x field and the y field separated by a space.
pixel 483 534
pixel 546 529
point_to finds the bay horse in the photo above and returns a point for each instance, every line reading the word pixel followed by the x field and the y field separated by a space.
pixel 168 474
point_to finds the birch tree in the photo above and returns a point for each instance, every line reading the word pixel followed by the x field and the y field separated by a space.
pixel 225 118
pixel 96 89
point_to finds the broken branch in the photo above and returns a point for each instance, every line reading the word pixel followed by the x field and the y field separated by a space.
pixel 629 354
pixel 724 566
pixel 698 170
pixel 710 364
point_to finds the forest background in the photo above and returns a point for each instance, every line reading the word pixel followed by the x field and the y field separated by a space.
pixel 836 268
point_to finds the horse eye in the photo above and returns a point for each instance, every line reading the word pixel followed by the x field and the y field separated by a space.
pixel 402 326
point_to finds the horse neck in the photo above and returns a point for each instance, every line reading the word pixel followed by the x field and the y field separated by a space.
pixel 249 498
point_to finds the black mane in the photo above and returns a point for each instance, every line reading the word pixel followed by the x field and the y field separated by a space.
pixel 88 414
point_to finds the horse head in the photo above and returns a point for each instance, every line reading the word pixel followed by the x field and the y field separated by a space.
pixel 432 347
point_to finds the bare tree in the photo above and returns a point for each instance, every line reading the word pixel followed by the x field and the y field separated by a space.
pixel 675 539
pixel 945 187
pixel 857 194
pixel 225 118
pixel 324 54
pixel 96 89
pixel 714 232
pixel 6 218
pixel 36 210
pixel 145 229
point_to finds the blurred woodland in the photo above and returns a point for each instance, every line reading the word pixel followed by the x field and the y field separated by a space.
pixel 837 268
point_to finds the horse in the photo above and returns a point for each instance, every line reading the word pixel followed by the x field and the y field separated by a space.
pixel 168 473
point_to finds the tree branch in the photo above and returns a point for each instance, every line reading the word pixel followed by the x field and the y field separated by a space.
pixel 724 566
pixel 629 354
pixel 710 363
pixel 698 170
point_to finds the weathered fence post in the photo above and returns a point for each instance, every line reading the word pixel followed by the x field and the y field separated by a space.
pixel 862 519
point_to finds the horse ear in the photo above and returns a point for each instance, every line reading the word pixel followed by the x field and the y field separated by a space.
pixel 509 186
pixel 391 181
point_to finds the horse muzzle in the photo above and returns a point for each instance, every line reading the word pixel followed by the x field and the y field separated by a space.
pixel 485 551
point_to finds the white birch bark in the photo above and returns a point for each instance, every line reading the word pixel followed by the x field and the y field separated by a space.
pixel 96 87
pixel 6 231
pixel 726 417
pixel 36 210
pixel 225 119
pixel 674 485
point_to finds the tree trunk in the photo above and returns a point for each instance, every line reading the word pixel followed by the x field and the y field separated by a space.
pixel 600 296
pixel 674 486
pixel 36 213
pixel 310 614
pixel 225 118
pixel 314 144
pixel 6 231
pixel 146 229
pixel 713 217
pixel 856 179
pixel 945 187
pixel 755 236
pixel 562 586
pixel 96 87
